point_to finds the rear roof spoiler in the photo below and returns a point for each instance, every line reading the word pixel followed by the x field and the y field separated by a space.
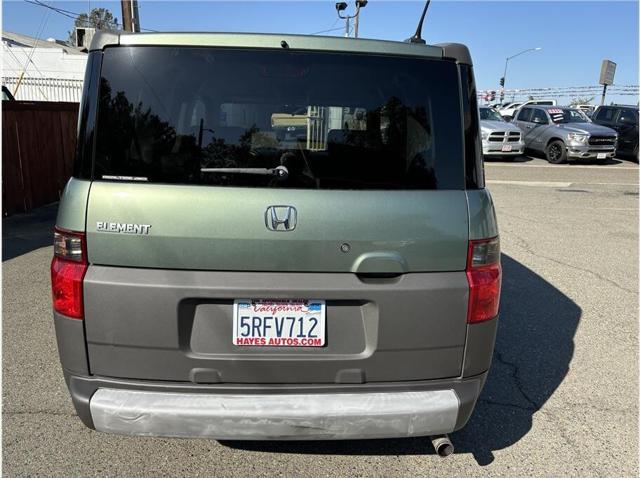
pixel 103 38
pixel 455 51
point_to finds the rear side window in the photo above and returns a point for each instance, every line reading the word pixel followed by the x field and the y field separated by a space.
pixel 525 114
pixel 605 114
pixel 86 117
pixel 474 172
pixel 539 117
pixel 628 116
pixel 225 117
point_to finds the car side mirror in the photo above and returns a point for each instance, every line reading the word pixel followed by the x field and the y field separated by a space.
pixel 537 120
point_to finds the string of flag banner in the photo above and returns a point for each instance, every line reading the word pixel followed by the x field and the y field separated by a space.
pixel 561 92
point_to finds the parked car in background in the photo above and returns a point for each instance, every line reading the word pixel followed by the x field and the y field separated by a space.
pixel 586 109
pixel 204 284
pixel 6 94
pixel 499 106
pixel 624 119
pixel 563 133
pixel 499 138
pixel 508 112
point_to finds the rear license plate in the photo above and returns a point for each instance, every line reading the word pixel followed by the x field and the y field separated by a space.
pixel 279 323
pixel 506 148
pixel 601 155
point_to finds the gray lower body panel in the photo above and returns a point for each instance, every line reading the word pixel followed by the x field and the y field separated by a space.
pixel 169 325
pixel 332 416
pixel 71 344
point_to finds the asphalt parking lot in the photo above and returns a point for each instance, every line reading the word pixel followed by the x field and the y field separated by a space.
pixel 561 399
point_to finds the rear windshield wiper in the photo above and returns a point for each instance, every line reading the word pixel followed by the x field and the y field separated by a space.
pixel 280 172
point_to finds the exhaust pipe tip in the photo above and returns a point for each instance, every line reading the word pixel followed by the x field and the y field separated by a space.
pixel 442 445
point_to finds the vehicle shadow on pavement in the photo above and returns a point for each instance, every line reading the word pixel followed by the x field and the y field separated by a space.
pixel 23 233
pixel 534 348
pixel 603 162
pixel 513 159
pixel 531 155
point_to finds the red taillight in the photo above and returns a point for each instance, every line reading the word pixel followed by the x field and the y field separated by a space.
pixel 485 276
pixel 68 268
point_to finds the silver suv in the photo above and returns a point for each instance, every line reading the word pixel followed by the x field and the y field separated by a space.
pixel 563 133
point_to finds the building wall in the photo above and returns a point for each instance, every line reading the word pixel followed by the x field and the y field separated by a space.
pixel 44 89
pixel 51 74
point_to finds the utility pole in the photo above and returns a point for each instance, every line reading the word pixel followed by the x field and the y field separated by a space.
pixel 130 18
pixel 127 24
pixel 136 16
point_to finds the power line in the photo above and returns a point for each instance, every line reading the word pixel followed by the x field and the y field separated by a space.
pixel 29 60
pixel 57 10
pixel 331 29
pixel 41 27
pixel 39 32
pixel 326 31
pixel 74 15
pixel 564 92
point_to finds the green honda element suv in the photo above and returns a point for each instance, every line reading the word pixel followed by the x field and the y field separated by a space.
pixel 276 237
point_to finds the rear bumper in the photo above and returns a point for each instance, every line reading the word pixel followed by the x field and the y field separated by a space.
pixel 301 412
pixel 234 417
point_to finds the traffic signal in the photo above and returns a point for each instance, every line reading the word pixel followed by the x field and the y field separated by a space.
pixel 502 81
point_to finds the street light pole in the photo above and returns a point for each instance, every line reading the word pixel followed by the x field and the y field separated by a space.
pixel 503 80
pixel 342 6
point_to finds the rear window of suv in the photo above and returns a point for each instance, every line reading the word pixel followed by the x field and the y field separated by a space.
pixel 230 117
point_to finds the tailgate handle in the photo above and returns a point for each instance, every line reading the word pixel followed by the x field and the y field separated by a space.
pixel 379 277
pixel 380 262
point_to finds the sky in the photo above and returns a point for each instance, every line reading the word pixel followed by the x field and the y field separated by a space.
pixel 575 36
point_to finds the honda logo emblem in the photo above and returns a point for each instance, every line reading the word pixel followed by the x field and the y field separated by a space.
pixel 281 218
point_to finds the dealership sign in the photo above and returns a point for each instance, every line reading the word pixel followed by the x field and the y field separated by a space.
pixel 607 71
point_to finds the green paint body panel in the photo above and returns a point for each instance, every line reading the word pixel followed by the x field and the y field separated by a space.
pixel 482 214
pixel 216 228
pixel 73 205
pixel 274 41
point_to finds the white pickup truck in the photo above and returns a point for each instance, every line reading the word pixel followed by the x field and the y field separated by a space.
pixel 509 112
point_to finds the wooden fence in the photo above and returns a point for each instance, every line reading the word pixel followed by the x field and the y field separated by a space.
pixel 38 146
